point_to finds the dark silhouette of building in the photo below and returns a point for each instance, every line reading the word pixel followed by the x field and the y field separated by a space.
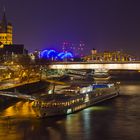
pixel 15 49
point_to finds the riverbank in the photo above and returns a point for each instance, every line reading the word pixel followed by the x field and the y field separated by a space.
pixel 28 88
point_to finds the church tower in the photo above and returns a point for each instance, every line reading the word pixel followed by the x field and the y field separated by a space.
pixel 6 32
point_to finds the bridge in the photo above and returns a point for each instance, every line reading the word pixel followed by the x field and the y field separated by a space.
pixel 130 65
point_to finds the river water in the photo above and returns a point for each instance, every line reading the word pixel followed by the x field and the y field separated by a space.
pixel 115 119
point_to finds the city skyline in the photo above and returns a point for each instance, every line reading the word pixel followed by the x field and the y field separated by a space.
pixel 104 25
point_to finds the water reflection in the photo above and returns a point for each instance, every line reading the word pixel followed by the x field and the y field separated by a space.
pixel 20 109
pixel 117 119
pixel 131 89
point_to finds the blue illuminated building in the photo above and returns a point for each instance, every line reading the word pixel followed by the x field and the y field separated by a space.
pixel 56 56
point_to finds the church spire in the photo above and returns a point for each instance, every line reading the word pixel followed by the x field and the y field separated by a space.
pixel 4 21
pixel 6 30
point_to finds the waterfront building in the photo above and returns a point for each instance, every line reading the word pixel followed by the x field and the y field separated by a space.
pixel 118 56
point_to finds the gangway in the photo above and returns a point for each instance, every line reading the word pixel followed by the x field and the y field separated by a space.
pixel 18 95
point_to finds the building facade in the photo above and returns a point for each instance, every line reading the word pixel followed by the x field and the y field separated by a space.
pixel 6 32
pixel 117 56
pixel 9 50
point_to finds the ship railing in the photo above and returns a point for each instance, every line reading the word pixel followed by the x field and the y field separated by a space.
pixel 59 103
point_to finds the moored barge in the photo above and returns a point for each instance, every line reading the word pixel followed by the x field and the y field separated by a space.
pixel 70 101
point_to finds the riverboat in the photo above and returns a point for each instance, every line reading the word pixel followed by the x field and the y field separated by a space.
pixel 73 100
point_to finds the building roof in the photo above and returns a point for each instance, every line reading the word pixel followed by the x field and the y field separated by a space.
pixel 4 23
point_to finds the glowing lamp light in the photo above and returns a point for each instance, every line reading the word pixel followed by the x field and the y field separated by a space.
pixel 69 111
pixel 87 98
pixel 83 90
pixel 89 89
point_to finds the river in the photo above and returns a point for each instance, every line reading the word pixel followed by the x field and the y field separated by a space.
pixel 115 119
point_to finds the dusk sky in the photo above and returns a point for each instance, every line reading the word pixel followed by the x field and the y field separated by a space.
pixel 101 24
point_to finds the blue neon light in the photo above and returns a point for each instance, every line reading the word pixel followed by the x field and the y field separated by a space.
pixel 43 54
pixel 53 55
pixel 60 54
pixel 67 55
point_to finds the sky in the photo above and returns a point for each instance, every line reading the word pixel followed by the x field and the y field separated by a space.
pixel 102 24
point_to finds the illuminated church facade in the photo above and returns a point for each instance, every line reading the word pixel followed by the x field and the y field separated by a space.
pixel 7 48
pixel 6 32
